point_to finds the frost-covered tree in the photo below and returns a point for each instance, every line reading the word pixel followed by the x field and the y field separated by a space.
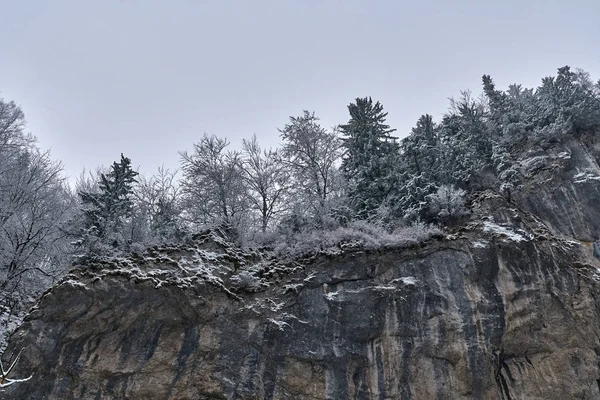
pixel 370 157
pixel 35 207
pixel 411 200
pixel 106 212
pixel 311 153
pixel 34 210
pixel 213 187
pixel 497 100
pixel 508 174
pixel 447 204
pixel 156 205
pixel 267 180
pixel 420 148
pixel 567 100
pixel 466 141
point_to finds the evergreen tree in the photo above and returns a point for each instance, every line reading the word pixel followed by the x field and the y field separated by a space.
pixel 508 174
pixel 419 148
pixel 466 140
pixel 496 100
pixel 412 197
pixel 105 211
pixel 371 155
pixel 566 100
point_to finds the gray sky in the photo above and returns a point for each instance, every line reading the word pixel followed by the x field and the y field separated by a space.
pixel 148 77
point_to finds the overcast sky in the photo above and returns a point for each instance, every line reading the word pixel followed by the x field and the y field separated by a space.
pixel 148 77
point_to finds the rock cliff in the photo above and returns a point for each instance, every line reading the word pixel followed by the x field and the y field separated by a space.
pixel 507 307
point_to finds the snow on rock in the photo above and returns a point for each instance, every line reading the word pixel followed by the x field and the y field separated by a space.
pixel 383 288
pixel 292 287
pixel 280 324
pixel 533 164
pixel 390 287
pixel 406 280
pixel 209 259
pixel 332 296
pixel 74 283
pixel 481 244
pixel 582 177
pixel 493 228
pixel 310 277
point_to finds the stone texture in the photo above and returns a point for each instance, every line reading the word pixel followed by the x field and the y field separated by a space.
pixel 505 308
pixel 447 320
pixel 562 187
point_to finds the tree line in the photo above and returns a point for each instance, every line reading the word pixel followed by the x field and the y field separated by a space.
pixel 317 179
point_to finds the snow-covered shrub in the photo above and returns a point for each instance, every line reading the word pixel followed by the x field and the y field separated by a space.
pixel 419 231
pixel 245 281
pixel 448 203
pixel 357 234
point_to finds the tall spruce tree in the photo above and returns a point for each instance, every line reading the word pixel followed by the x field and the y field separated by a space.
pixel 419 149
pixel 106 211
pixel 371 154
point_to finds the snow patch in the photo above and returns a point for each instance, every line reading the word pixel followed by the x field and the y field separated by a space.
pixel 384 288
pixel 292 316
pixel 74 283
pixel 504 231
pixel 585 177
pixel 292 287
pixel 407 280
pixel 480 244
pixel 533 164
pixel 273 305
pixel 280 324
pixel 310 277
pixel 332 296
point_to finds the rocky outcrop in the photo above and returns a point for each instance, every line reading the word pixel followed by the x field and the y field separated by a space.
pixel 562 186
pixel 493 313
pixel 505 308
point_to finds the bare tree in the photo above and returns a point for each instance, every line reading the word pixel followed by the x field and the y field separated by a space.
pixel 312 154
pixel 265 176
pixel 12 124
pixel 35 206
pixel 213 188
pixel 156 210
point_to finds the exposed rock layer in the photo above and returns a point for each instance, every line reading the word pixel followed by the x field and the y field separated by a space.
pixel 504 309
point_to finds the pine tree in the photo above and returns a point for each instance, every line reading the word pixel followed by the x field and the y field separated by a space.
pixel 466 140
pixel 508 174
pixel 419 148
pixel 371 156
pixel 106 211
pixel 496 99
pixel 412 195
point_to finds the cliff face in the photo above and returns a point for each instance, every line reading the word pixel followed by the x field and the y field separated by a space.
pixel 562 187
pixel 504 309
